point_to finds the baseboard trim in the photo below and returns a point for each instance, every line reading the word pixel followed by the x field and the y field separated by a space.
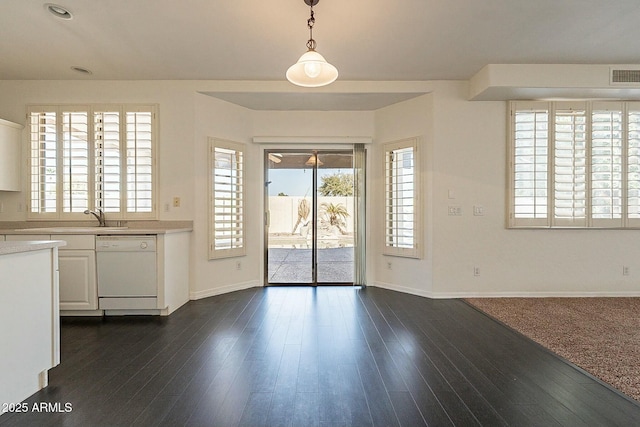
pixel 437 295
pixel 82 313
pixel 403 289
pixel 223 290
pixel 507 294
pixel 561 294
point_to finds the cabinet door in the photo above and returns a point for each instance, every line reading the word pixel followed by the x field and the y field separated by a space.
pixel 78 287
pixel 10 135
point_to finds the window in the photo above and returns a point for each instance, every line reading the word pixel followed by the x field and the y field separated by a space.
pixel 574 164
pixel 86 157
pixel 402 211
pixel 226 213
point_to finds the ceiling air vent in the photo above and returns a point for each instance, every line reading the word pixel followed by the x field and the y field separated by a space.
pixel 625 77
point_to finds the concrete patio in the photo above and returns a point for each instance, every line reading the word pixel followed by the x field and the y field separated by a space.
pixel 293 265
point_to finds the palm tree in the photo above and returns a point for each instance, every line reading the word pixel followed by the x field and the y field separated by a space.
pixel 335 214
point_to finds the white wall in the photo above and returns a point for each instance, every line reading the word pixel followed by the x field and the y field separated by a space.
pixel 413 118
pixel 176 111
pixel 464 164
pixel 469 157
pixel 463 148
pixel 313 123
pixel 187 119
pixel 219 119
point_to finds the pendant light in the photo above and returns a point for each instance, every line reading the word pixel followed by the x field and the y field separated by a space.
pixel 312 70
pixel 314 160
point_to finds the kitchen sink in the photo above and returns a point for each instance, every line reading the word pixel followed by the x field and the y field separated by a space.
pixel 73 229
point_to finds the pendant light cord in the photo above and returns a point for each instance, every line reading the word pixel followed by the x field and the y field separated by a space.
pixel 311 43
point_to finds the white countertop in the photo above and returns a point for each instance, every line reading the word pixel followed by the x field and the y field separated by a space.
pixel 131 227
pixel 96 230
pixel 28 246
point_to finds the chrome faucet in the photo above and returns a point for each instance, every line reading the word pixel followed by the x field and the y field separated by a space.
pixel 99 216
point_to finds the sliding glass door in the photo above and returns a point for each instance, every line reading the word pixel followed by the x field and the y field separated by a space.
pixel 289 232
pixel 309 217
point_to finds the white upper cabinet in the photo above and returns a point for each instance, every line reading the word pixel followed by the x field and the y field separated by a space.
pixel 10 155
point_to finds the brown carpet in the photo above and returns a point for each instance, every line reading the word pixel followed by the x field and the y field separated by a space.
pixel 600 335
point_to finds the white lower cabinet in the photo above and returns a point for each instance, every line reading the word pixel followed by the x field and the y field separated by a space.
pixel 77 264
pixel 29 324
pixel 78 288
pixel 78 282
pixel 79 278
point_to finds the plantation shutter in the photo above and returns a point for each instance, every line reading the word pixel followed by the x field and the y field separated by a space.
pixel 594 164
pixel 44 163
pixel 530 164
pixel 570 165
pixel 633 164
pixel 226 212
pixel 139 161
pixel 75 161
pixel 606 154
pixel 401 198
pixel 108 192
pixel 86 157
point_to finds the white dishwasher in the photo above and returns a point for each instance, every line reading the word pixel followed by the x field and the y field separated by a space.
pixel 127 272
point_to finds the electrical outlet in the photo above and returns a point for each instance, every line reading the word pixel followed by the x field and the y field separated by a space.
pixel 388 265
pixel 625 270
pixel 176 202
pixel 476 271
pixel 167 206
pixel 238 265
pixel 455 211
pixel 478 210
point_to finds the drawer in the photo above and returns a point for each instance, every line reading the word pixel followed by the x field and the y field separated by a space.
pixel 76 241
pixel 24 237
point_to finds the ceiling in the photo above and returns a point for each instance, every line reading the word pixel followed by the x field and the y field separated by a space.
pixel 317 101
pixel 367 40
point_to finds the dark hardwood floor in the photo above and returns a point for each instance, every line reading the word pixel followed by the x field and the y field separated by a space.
pixel 329 356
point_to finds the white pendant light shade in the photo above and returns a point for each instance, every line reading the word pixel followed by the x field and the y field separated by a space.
pixel 312 70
